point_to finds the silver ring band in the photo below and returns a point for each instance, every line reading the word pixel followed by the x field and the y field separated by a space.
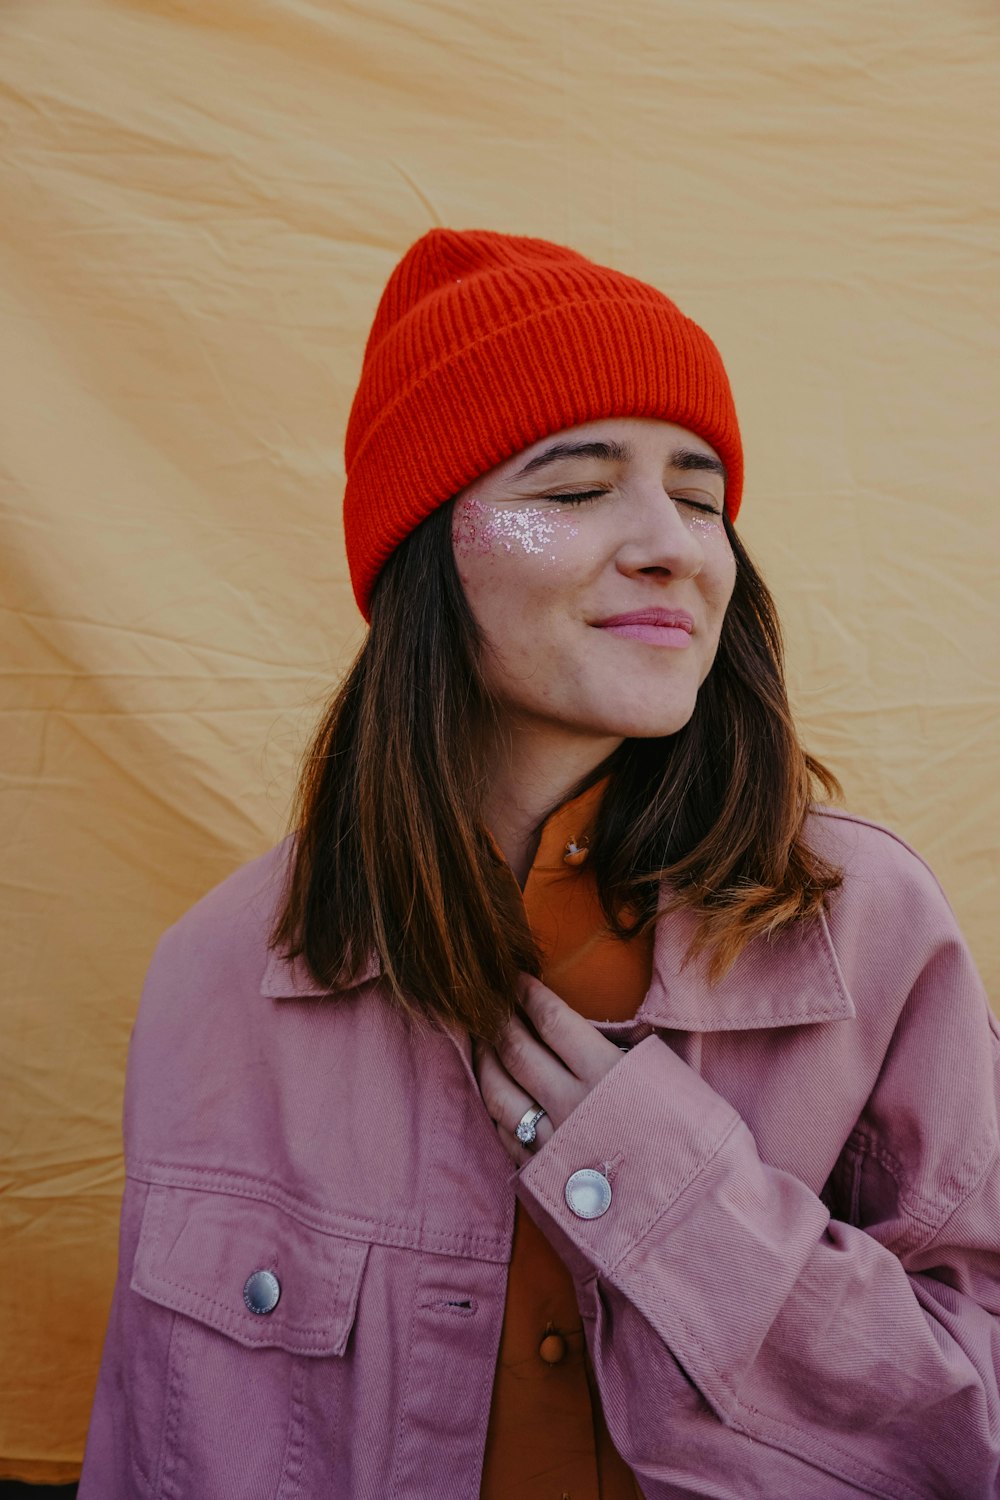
pixel 525 1128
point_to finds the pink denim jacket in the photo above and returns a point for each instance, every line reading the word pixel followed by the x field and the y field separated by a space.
pixel 793 1293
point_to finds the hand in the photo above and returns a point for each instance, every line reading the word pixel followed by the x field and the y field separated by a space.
pixel 555 1073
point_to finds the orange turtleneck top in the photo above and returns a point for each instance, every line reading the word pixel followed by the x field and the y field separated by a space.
pixel 547 1439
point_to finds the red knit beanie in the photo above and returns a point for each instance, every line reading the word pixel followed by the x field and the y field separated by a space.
pixel 484 343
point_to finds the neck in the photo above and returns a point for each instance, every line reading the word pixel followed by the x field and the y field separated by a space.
pixel 533 773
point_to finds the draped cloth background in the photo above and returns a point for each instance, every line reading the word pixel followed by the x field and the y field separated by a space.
pixel 201 202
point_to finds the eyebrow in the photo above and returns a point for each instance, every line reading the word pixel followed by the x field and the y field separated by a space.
pixel 616 452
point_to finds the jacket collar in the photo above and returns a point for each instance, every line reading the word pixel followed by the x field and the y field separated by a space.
pixel 791 980
pixel 291 979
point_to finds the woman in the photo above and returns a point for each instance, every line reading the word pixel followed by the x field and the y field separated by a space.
pixel 571 1106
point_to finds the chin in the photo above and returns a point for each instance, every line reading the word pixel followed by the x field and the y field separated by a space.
pixel 647 731
pixel 637 725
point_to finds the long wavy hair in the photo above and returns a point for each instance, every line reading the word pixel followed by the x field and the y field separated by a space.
pixel 390 855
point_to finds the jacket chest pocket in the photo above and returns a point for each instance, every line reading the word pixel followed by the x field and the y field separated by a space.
pixel 239 1299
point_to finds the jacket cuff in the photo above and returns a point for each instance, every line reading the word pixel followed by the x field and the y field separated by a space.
pixel 650 1127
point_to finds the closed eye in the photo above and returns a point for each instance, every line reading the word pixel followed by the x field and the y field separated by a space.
pixel 577 499
pixel 580 497
pixel 698 505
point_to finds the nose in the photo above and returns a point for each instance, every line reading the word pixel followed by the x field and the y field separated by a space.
pixel 660 539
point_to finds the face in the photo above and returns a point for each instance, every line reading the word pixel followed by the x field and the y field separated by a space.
pixel 599 579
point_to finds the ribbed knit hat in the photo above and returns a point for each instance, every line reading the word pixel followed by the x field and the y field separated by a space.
pixel 484 343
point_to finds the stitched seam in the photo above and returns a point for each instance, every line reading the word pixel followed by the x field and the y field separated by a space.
pixel 869 1147
pixel 680 1022
pixel 593 1103
pixel 271 1335
pixel 401 1425
pixel 239 1185
pixel 158 1458
pixel 559 1210
pixel 228 1324
pixel 942 1226
pixel 821 1444
pixel 139 1474
pixel 485 1404
pixel 856 1160
pixel 927 1211
pixel 817 1445
pixel 152 1211
pixel 664 1208
pixel 826 946
pixel 291 1464
pixel 169 1455
pixel 846 817
pixel 340 1310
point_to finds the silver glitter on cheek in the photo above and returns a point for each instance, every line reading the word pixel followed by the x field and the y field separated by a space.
pixel 483 531
pixel 708 529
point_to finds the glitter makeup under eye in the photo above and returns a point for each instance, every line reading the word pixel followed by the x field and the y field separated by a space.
pixel 707 528
pixel 481 531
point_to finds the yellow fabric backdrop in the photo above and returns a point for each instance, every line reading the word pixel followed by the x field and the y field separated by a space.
pixel 201 202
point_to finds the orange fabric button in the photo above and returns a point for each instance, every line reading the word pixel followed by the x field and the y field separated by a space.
pixel 552 1348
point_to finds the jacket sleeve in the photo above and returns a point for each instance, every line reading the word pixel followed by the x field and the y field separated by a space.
pixel 742 1335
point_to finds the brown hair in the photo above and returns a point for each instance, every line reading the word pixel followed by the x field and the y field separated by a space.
pixel 391 856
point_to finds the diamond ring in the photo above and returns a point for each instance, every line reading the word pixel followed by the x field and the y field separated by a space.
pixel 525 1129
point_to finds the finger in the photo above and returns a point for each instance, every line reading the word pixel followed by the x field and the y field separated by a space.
pixel 505 1100
pixel 536 1067
pixel 573 1038
pixel 520 1153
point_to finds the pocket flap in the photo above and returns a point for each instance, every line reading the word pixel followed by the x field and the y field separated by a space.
pixel 197 1251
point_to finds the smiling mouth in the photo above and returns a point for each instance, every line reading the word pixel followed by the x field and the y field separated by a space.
pixel 651 635
pixel 654 626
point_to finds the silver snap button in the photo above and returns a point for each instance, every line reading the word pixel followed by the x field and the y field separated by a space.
pixel 262 1291
pixel 588 1193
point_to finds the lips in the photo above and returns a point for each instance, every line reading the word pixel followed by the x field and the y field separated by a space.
pixel 654 627
pixel 678 619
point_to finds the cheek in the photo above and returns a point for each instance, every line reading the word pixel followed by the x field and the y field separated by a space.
pixel 507 559
pixel 718 576
pixel 709 531
pixel 480 531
